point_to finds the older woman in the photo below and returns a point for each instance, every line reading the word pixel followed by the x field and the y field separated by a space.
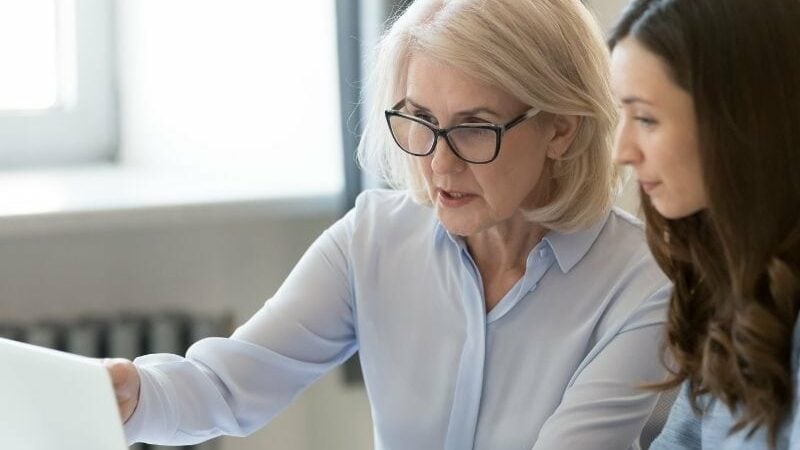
pixel 496 299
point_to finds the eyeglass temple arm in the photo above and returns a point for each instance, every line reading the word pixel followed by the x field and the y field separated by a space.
pixel 528 114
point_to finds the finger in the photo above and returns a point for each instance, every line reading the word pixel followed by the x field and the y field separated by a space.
pixel 118 369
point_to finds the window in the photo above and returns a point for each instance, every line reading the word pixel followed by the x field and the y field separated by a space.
pixel 241 89
pixel 181 102
pixel 29 79
pixel 56 93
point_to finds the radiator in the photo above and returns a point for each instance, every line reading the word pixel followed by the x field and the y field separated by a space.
pixel 124 336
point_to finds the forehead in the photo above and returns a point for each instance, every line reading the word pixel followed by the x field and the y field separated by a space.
pixel 430 80
pixel 637 71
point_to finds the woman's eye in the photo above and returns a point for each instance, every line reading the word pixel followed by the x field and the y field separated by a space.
pixel 476 120
pixel 478 132
pixel 426 117
pixel 646 122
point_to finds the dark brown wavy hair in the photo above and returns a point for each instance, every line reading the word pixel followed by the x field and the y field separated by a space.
pixel 736 264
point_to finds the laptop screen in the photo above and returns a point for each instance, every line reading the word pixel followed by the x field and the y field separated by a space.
pixel 53 400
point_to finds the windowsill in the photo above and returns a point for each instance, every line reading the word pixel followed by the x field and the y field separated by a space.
pixel 104 196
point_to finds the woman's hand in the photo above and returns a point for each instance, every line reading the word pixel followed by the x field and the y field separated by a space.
pixel 125 380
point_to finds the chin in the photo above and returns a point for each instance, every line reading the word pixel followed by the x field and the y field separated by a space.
pixel 457 229
pixel 457 226
pixel 675 211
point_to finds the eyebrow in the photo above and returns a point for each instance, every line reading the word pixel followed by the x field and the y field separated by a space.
pixel 465 113
pixel 634 99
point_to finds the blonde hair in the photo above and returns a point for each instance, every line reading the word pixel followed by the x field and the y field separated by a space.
pixel 549 54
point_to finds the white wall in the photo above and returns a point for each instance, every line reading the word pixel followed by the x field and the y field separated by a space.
pixel 606 11
pixel 242 85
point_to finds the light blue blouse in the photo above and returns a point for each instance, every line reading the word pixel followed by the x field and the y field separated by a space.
pixel 711 430
pixel 553 365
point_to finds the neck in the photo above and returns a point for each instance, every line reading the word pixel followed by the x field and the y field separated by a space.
pixel 505 246
pixel 501 254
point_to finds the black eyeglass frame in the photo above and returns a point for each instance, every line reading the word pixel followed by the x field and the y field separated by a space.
pixel 498 129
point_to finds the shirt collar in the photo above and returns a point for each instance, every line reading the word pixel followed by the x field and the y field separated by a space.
pixel 568 248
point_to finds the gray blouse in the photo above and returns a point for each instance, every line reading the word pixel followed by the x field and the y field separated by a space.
pixel 711 430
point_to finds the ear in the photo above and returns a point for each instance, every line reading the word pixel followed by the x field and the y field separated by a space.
pixel 562 129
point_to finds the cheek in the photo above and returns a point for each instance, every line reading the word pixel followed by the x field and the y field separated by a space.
pixel 510 184
pixel 695 183
pixel 528 168
pixel 423 167
pixel 683 177
pixel 680 164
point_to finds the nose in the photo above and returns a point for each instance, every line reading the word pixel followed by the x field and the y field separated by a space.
pixel 444 160
pixel 626 149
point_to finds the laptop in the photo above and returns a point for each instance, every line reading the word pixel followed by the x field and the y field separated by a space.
pixel 51 400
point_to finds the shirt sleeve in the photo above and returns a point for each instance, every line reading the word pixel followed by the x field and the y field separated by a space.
pixel 683 428
pixel 604 406
pixel 235 385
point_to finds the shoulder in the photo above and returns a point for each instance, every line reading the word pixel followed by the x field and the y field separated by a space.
pixel 612 248
pixel 621 247
pixel 623 227
pixel 624 273
pixel 386 201
pixel 683 427
pixel 384 206
pixel 388 215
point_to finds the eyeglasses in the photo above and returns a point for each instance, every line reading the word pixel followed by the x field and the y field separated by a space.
pixel 476 143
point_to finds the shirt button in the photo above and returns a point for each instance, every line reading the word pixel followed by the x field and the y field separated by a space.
pixel 542 253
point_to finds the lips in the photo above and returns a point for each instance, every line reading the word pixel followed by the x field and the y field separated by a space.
pixel 453 199
pixel 455 195
pixel 648 186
